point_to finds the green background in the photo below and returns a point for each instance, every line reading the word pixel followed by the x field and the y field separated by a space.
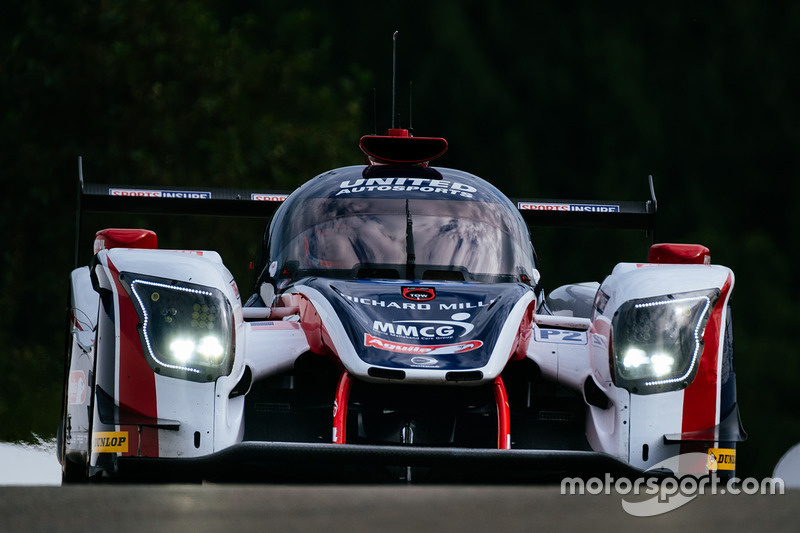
pixel 544 99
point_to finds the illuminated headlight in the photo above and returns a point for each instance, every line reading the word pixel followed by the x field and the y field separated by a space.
pixel 658 341
pixel 186 330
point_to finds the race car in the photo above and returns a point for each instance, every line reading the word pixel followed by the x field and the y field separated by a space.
pixel 399 329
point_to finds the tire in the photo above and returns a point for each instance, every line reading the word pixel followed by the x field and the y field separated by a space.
pixel 71 471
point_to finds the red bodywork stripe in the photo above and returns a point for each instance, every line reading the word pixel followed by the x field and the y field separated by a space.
pixel 319 341
pixel 74 320
pixel 503 415
pixel 137 383
pixel 700 402
pixel 524 334
pixel 340 408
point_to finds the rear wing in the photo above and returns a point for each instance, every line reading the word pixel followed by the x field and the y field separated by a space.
pixel 183 201
pixel 259 203
pixel 592 214
pixel 207 201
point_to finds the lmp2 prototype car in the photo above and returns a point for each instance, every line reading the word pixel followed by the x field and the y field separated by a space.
pixel 398 326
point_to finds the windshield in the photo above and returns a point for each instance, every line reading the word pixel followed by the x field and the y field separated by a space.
pixel 398 223
pixel 382 234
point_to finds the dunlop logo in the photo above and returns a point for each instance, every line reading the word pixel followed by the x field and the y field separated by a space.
pixel 721 459
pixel 110 442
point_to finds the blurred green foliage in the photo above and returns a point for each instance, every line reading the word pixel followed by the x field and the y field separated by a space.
pixel 559 100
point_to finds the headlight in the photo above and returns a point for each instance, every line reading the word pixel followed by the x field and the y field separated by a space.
pixel 658 341
pixel 186 330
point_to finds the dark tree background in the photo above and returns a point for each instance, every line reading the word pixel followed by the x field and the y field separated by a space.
pixel 545 99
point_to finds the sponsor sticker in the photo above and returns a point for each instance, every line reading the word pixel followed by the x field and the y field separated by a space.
pixel 425 361
pixel 538 206
pixel 426 185
pixel 600 301
pixel 561 336
pixel 76 391
pixel 419 294
pixel 187 195
pixel 387 304
pixel 721 459
pixel 272 325
pixel 268 197
pixel 426 329
pixel 589 208
pixel 416 349
pixel 110 442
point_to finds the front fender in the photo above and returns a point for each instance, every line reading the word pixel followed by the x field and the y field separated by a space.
pixel 202 417
pixel 697 405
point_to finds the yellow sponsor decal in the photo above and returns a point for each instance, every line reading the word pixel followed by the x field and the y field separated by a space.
pixel 110 442
pixel 721 459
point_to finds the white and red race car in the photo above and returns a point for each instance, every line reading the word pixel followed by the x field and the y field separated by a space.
pixel 398 329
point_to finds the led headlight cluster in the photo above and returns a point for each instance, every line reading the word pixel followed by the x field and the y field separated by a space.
pixel 658 341
pixel 186 330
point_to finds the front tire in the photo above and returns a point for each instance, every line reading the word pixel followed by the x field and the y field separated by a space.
pixel 71 471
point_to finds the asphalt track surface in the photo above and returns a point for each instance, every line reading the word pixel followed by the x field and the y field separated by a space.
pixel 287 508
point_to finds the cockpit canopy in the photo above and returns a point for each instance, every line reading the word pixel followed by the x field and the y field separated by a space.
pixel 385 222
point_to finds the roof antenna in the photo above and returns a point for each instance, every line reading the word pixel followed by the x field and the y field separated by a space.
pixel 394 72
pixel 410 109
pixel 374 112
